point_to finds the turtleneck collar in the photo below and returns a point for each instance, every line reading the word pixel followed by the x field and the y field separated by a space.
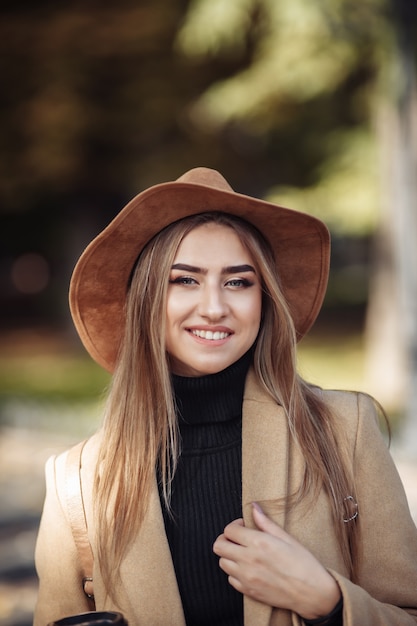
pixel 214 397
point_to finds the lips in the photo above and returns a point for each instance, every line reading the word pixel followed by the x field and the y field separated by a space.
pixel 211 335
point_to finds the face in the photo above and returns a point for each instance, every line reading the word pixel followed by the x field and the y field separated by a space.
pixel 214 302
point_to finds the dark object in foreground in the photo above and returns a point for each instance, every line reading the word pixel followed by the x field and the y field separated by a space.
pixel 93 618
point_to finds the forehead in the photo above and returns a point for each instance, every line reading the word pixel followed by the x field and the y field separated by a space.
pixel 213 242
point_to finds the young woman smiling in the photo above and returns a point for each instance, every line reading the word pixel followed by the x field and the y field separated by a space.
pixel 222 488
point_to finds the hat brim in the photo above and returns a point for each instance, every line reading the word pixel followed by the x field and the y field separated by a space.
pixel 100 279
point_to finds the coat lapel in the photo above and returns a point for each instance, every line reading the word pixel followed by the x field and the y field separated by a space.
pixel 148 574
pixel 265 458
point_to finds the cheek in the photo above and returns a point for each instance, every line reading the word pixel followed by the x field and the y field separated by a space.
pixel 174 307
pixel 177 308
pixel 252 312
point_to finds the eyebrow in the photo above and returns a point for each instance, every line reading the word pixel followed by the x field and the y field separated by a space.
pixel 230 269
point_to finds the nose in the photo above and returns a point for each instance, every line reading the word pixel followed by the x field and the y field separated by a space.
pixel 213 305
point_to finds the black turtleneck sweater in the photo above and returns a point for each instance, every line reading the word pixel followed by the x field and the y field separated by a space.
pixel 207 491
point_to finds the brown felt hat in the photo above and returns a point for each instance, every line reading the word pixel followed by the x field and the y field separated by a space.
pixel 100 280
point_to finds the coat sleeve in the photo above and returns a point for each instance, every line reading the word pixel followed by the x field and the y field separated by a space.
pixel 386 589
pixel 60 580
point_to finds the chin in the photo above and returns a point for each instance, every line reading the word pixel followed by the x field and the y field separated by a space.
pixel 214 368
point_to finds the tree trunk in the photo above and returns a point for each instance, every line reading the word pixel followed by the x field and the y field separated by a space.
pixel 392 320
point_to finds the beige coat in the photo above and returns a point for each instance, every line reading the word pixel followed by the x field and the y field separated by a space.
pixel 148 593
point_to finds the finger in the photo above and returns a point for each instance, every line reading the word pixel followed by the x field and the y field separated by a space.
pixel 219 545
pixel 228 566
pixel 234 573
pixel 237 522
pixel 237 532
pixel 235 582
pixel 227 549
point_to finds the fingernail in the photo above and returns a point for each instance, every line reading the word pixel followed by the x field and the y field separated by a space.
pixel 257 507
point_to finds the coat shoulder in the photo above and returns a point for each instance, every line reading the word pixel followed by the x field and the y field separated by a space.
pixel 354 411
pixel 348 403
pixel 85 453
pixel 66 472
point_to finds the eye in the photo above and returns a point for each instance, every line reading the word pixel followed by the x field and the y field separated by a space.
pixel 239 282
pixel 182 280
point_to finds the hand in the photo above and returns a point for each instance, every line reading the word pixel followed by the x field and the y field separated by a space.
pixel 270 566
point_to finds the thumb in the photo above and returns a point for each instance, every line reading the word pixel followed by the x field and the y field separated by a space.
pixel 265 524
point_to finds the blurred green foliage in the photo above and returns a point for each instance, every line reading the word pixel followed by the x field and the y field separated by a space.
pixel 314 74
pixel 104 100
pixel 45 377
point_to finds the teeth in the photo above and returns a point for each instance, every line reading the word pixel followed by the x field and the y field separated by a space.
pixel 209 334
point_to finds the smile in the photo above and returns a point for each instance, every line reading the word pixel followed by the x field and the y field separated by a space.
pixel 209 334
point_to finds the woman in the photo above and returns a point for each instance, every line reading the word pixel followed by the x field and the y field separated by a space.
pixel 222 488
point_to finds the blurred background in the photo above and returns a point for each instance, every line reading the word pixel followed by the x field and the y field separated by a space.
pixel 312 105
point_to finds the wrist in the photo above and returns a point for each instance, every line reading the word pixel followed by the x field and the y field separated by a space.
pixel 326 602
pixel 334 618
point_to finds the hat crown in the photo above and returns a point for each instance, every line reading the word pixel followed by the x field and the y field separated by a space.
pixel 207 177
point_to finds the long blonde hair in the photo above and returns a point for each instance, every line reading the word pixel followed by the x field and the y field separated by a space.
pixel 140 425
